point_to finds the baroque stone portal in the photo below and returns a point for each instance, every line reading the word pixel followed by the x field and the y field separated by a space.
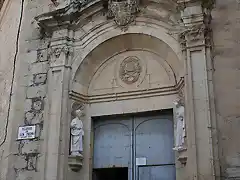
pixel 130 70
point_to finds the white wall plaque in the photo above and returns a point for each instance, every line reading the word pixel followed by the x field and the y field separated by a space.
pixel 141 161
pixel 26 132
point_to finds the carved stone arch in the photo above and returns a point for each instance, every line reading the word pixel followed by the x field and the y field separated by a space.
pixel 90 45
pixel 93 39
pixel 130 44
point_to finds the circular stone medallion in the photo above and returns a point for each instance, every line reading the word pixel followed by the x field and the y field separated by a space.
pixel 130 70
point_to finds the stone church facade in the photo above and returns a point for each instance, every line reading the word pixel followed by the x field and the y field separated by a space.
pixel 121 63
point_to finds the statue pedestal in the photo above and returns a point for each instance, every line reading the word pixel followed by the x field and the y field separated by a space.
pixel 75 162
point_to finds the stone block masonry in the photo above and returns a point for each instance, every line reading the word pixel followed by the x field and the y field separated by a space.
pixel 29 151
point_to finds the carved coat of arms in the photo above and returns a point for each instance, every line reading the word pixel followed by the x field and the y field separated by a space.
pixel 122 11
pixel 130 70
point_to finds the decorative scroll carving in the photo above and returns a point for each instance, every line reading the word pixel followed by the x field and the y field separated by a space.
pixel 196 29
pixel 57 51
pixel 195 33
pixel 123 11
pixel 130 70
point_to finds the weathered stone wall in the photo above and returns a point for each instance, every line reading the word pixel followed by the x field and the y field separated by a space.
pixel 9 20
pixel 226 29
pixel 22 159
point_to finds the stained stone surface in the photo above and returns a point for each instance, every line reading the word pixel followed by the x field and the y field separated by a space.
pixel 94 76
pixel 227 85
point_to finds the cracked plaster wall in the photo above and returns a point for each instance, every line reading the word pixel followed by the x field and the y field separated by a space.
pixel 226 29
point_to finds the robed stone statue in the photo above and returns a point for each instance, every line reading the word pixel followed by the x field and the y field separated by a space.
pixel 180 126
pixel 77 134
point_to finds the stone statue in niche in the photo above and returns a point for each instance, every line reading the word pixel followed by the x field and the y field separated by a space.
pixel 180 126
pixel 77 133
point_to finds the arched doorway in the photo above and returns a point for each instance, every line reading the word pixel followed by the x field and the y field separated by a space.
pixel 129 74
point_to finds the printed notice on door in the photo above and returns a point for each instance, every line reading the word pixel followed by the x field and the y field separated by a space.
pixel 141 161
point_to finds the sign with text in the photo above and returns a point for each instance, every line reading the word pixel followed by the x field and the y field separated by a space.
pixel 26 132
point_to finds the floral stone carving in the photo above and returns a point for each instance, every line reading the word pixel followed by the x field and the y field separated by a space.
pixel 130 70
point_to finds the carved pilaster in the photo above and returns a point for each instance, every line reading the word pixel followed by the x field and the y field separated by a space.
pixel 195 39
pixel 57 140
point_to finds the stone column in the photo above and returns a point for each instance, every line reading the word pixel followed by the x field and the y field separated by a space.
pixel 58 116
pixel 201 122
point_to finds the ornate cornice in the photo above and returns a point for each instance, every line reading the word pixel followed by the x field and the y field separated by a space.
pixel 62 17
pixel 164 91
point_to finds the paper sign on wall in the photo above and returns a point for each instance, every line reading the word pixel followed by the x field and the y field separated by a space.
pixel 141 161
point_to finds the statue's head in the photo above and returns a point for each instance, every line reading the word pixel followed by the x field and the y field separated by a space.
pixel 178 102
pixel 79 113
pixel 77 110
